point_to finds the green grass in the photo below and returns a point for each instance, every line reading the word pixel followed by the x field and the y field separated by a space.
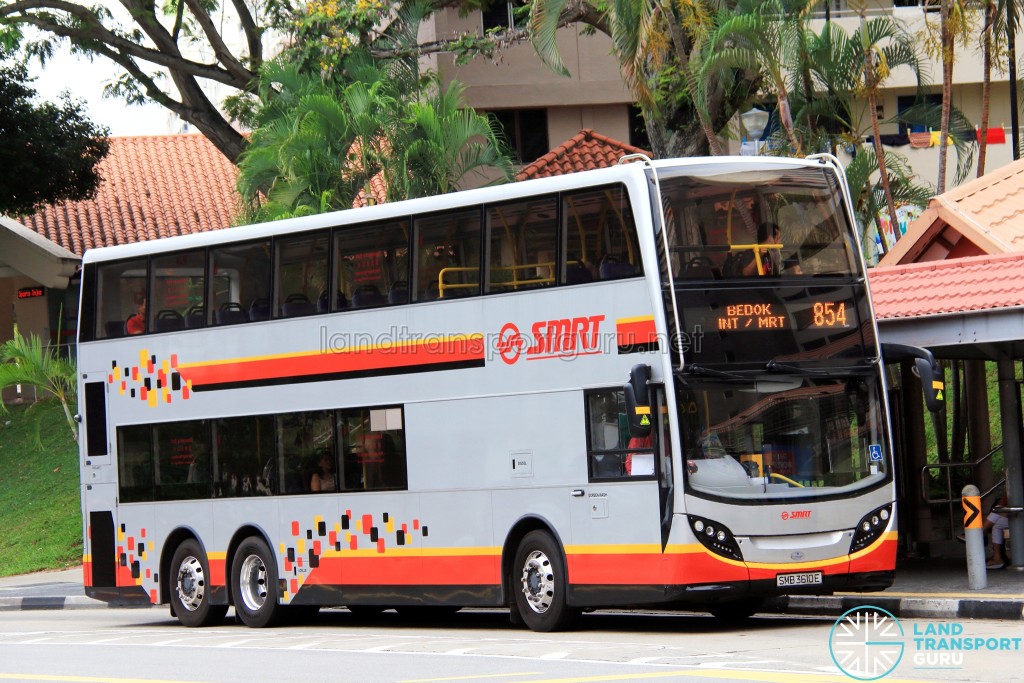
pixel 40 513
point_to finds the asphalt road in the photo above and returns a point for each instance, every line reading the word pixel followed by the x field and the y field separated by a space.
pixel 146 646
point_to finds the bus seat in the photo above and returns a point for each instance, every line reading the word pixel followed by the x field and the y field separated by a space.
pixel 114 329
pixel 259 309
pixel 168 320
pixel 399 293
pixel 576 273
pixel 230 313
pixel 613 267
pixel 195 317
pixel 367 295
pixel 296 305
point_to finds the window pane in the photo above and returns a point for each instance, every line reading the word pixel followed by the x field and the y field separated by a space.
pixel 240 290
pixel 302 439
pixel 245 461
pixel 372 449
pixel 301 273
pixel 600 239
pixel 135 463
pixel 177 290
pixel 522 242
pixel 606 421
pixel 184 467
pixel 121 295
pixel 448 255
pixel 372 266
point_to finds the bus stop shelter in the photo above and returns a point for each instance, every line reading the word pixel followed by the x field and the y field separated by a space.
pixel 969 309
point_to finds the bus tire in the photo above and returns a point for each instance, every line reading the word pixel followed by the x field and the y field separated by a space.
pixel 539 583
pixel 254 584
pixel 736 611
pixel 190 587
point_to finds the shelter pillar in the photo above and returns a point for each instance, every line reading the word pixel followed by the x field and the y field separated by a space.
pixel 916 514
pixel 1009 410
pixel 979 437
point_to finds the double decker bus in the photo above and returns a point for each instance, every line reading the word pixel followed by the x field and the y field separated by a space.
pixel 657 384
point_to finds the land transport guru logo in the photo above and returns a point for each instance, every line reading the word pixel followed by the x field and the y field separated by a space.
pixel 867 643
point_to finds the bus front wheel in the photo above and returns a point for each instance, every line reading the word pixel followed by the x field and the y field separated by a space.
pixel 254 584
pixel 190 594
pixel 539 583
pixel 736 610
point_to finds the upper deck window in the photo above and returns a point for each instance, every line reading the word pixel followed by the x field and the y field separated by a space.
pixel 757 223
pixel 300 273
pixel 522 240
pixel 240 290
pixel 177 287
pixel 448 255
pixel 371 265
pixel 121 295
pixel 599 236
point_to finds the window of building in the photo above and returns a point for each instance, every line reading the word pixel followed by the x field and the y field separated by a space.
pixel 638 128
pixel 120 296
pixel 522 243
pixel 371 445
pixel 177 289
pixel 505 14
pixel 372 265
pixel 240 283
pixel 525 130
pixel 300 273
pixel 600 240
pixel 918 113
pixel 448 255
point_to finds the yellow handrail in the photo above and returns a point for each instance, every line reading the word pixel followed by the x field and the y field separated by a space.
pixel 776 475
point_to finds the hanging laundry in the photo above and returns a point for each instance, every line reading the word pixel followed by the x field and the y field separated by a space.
pixel 993 136
pixel 935 136
pixel 920 140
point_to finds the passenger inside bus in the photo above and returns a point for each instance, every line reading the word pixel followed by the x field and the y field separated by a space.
pixel 136 324
pixel 323 479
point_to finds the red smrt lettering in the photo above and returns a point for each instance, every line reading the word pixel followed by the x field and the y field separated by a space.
pixel 566 336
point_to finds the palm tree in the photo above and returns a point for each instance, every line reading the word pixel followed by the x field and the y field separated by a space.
pixel 764 37
pixel 320 143
pixel 28 362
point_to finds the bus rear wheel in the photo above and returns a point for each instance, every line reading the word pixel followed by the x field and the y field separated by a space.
pixel 254 584
pixel 539 583
pixel 190 593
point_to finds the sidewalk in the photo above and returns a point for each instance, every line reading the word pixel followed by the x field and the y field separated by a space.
pixel 928 589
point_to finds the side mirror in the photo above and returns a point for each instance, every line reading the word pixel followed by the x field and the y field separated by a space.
pixel 925 367
pixel 638 402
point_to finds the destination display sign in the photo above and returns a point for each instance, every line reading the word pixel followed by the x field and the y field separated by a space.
pixel 786 323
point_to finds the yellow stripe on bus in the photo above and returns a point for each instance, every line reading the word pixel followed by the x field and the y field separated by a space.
pixel 637 319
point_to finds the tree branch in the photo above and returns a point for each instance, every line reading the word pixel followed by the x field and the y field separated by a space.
pixel 220 48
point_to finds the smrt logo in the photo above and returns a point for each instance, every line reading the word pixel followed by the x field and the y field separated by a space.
pixel 796 514
pixel 562 338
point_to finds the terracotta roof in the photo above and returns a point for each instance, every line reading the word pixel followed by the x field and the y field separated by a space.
pixel 153 186
pixel 984 216
pixel 585 151
pixel 976 283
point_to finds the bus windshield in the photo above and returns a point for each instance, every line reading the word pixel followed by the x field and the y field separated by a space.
pixel 788 437
pixel 724 223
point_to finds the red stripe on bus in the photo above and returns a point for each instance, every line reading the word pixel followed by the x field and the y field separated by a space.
pixel 475 570
pixel 881 559
pixel 426 353
pixel 644 568
pixel 636 332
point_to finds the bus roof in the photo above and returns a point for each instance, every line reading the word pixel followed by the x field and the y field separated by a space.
pixel 704 166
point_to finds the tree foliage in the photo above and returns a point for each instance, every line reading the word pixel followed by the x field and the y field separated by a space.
pixel 28 362
pixel 320 142
pixel 48 151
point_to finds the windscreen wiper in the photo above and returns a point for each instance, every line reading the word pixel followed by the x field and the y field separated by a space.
pixel 775 366
pixel 695 369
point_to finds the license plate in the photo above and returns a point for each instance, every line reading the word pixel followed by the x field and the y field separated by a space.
pixel 802 579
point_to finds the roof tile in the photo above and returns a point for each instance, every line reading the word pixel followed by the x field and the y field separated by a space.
pixel 585 151
pixel 153 186
pixel 973 283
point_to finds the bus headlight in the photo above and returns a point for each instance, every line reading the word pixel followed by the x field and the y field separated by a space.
pixel 870 527
pixel 715 537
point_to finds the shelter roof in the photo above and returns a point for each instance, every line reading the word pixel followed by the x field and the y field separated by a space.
pixel 983 216
pixel 976 283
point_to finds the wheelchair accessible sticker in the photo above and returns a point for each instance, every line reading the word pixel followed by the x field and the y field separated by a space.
pixel 875 452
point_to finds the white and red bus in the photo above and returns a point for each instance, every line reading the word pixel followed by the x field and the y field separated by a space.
pixel 600 389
